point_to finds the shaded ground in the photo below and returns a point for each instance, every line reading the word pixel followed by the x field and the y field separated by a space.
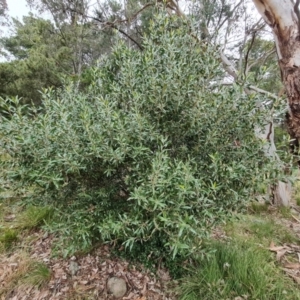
pixel 86 276
pixel 78 278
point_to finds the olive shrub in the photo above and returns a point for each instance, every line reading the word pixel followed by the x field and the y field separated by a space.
pixel 155 151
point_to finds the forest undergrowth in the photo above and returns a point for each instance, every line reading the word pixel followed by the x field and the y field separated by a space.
pixel 253 256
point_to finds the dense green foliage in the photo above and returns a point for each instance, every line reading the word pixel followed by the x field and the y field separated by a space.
pixel 152 153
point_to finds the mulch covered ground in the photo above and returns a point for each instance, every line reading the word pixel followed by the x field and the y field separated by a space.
pixel 82 277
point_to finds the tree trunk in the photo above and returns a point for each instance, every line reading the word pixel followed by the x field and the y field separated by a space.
pixel 283 17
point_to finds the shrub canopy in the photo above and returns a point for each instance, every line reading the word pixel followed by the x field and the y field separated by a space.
pixel 154 151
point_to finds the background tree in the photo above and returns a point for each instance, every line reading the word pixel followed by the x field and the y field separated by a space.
pixel 44 54
pixel 38 59
pixel 75 18
pixel 3 9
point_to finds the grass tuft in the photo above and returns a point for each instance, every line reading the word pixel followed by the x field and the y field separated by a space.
pixel 269 229
pixel 7 238
pixel 258 208
pixel 237 269
pixel 27 272
pixel 261 230
pixel 285 212
pixel 38 274
pixel 34 216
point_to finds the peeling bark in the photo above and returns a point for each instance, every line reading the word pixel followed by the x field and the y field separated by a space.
pixel 283 17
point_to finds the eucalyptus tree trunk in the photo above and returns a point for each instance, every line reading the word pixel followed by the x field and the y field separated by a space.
pixel 283 17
